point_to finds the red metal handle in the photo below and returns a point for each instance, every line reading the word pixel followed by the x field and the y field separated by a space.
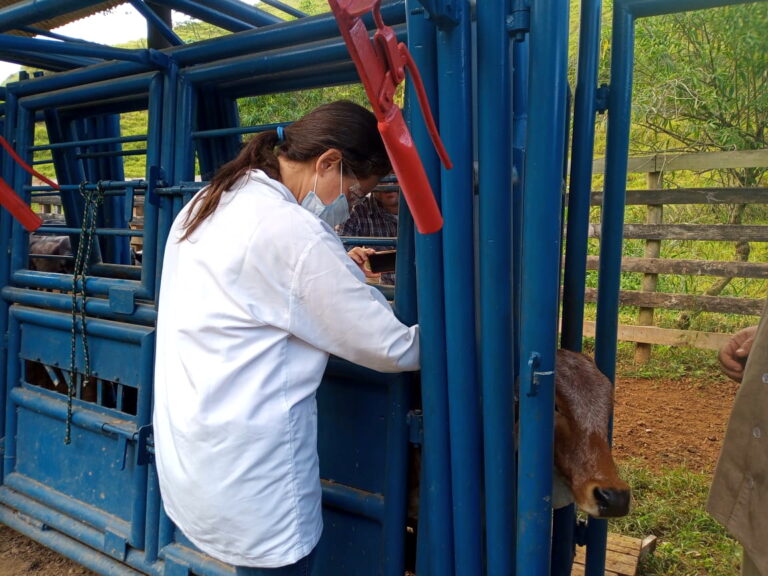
pixel 381 65
pixel 411 175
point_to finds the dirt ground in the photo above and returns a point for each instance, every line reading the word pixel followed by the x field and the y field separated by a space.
pixel 667 424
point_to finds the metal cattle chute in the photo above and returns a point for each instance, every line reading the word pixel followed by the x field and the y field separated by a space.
pixel 78 347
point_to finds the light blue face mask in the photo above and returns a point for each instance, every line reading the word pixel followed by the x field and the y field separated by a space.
pixel 333 214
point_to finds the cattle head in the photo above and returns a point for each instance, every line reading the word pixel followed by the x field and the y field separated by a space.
pixel 583 403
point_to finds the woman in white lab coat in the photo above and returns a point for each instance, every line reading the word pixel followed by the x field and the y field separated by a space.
pixel 256 292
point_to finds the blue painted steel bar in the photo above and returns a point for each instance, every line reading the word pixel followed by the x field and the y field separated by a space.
pixel 612 231
pixel 160 25
pixel 92 50
pixel 243 12
pixel 236 130
pixel 152 520
pixel 83 143
pixel 396 495
pixel 540 284
pixel 162 100
pixel 45 61
pixel 118 331
pixel 98 231
pixel 318 53
pixel 22 140
pixel 497 357
pixel 52 281
pixel 290 10
pixel 576 240
pixel 142 313
pixel 435 494
pixel 245 43
pixel 367 504
pixel 209 14
pixel 8 127
pixel 140 476
pixel 11 414
pixel 70 96
pixel 315 28
pixel 454 55
pixel 30 11
pixel 581 175
pixel 70 547
pixel 520 66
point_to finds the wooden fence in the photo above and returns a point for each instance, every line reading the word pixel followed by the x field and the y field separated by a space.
pixel 654 232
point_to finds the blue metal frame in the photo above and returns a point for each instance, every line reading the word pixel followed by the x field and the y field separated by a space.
pixel 485 289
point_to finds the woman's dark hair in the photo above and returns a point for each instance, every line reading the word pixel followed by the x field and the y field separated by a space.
pixel 343 125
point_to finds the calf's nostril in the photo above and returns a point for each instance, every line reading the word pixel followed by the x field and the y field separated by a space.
pixel 612 502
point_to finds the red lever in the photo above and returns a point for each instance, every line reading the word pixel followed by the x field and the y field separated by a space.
pixel 381 65
pixel 15 205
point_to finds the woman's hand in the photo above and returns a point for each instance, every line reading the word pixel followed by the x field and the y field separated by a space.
pixel 360 255
pixel 733 356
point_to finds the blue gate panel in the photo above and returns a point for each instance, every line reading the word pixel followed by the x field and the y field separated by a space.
pixel 352 424
pixel 93 485
pixel 350 546
pixel 43 457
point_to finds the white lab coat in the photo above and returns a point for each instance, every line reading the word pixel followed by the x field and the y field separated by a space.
pixel 250 309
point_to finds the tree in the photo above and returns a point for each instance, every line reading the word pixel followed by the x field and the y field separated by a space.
pixel 701 82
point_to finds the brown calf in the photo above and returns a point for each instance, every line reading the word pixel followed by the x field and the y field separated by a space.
pixel 583 406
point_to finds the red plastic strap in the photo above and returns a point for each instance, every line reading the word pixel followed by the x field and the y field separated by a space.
pixel 381 65
pixel 18 208
pixel 11 201
pixel 8 148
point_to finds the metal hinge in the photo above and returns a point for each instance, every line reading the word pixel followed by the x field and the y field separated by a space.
pixel 519 21
pixel 444 13
pixel 145 446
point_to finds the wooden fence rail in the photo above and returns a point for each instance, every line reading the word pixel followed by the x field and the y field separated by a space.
pixel 654 232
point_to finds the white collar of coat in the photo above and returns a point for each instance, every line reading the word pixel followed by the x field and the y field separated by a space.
pixel 262 178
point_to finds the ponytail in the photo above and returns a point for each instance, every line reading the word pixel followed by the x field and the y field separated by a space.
pixel 343 125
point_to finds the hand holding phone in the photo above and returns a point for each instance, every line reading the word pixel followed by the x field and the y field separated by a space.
pixel 383 261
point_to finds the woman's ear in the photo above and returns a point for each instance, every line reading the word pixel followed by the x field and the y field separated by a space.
pixel 328 161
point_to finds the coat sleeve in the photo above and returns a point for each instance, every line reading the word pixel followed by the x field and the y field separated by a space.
pixel 333 309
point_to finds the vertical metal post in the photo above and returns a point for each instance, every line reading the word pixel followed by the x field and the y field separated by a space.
pixel 455 84
pixel 574 275
pixel 540 283
pixel 9 128
pixel 494 80
pixel 612 232
pixel 436 499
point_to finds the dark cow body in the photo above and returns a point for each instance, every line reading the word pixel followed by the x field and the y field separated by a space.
pixel 51 254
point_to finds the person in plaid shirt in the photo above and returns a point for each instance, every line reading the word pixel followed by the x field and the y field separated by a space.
pixel 375 215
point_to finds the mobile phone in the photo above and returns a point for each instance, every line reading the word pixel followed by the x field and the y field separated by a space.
pixel 383 261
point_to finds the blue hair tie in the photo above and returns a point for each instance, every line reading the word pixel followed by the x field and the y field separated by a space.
pixel 280 134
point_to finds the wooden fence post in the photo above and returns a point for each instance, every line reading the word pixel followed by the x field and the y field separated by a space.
pixel 652 250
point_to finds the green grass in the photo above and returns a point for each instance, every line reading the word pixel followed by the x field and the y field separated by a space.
pixel 671 506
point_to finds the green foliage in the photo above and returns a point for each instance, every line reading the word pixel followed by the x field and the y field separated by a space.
pixel 670 505
pixel 290 106
pixel 702 80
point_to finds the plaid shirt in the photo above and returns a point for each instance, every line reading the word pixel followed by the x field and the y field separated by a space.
pixel 368 218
